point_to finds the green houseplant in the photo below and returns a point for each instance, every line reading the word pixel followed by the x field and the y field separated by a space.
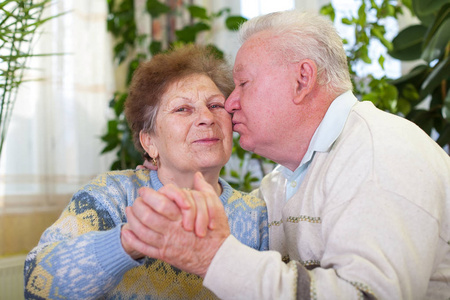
pixel 19 24
pixel 422 95
pixel 426 87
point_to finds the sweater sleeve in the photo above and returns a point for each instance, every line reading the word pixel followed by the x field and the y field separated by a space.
pixel 80 256
pixel 240 272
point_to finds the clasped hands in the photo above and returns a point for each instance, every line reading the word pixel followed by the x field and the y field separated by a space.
pixel 182 227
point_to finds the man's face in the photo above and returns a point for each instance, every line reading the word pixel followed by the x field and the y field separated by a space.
pixel 261 102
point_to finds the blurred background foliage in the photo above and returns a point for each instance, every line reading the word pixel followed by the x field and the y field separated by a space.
pixel 421 96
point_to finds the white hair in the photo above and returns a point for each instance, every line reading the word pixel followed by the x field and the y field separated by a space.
pixel 302 35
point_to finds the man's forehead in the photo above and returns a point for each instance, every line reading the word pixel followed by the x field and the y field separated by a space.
pixel 242 57
pixel 238 68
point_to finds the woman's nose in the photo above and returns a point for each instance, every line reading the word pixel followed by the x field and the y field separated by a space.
pixel 205 116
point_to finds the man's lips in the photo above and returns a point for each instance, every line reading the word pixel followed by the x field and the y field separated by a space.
pixel 235 124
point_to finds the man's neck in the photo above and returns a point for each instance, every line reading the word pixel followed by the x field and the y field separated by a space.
pixel 311 113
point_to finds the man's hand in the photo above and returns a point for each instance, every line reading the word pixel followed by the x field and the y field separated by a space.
pixel 162 236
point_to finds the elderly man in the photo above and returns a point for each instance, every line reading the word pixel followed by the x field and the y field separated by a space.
pixel 359 206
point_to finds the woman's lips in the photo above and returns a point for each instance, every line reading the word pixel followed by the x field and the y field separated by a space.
pixel 207 141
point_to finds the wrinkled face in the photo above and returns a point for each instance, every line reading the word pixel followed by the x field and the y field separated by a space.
pixel 192 129
pixel 260 102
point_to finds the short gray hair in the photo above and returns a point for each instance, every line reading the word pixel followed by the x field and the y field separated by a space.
pixel 302 35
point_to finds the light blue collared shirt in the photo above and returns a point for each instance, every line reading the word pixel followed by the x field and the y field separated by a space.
pixel 326 134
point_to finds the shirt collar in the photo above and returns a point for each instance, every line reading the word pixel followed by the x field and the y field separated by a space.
pixel 328 131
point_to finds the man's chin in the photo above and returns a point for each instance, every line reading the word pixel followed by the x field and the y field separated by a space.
pixel 245 144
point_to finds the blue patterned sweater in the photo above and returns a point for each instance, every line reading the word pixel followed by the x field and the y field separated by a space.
pixel 81 257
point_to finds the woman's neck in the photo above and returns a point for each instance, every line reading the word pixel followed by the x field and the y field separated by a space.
pixel 186 179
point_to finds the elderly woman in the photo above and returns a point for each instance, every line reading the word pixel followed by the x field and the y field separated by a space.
pixel 176 113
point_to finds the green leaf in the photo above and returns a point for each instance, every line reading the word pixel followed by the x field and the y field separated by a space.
pixel 234 22
pixel 443 14
pixel 108 148
pixel 439 41
pixel 422 118
pixel 234 174
pixel 131 68
pixel 391 11
pixel 328 10
pixel 346 21
pixel 403 106
pixel 439 73
pixel 215 51
pixel 379 32
pixel 446 107
pixel 444 137
pixel 155 47
pixel 112 127
pixel 156 8
pixel 381 60
pixel 407 45
pixel 426 9
pixel 188 34
pixel 364 54
pixel 116 165
pixel 362 15
pixel 226 10
pixel 410 93
pixel 120 52
pixel 198 12
pixel 415 76
pixel 408 4
pixel 119 104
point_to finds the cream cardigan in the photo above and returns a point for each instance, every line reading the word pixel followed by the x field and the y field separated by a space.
pixel 370 219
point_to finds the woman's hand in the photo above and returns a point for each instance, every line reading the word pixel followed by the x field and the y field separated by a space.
pixel 158 202
pixel 126 246
pixel 163 236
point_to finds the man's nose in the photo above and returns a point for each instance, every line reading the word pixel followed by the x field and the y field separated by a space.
pixel 232 103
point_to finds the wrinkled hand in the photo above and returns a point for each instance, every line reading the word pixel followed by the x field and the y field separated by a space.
pixel 162 204
pixel 126 246
pixel 156 228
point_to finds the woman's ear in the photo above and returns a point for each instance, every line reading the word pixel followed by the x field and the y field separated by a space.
pixel 148 143
pixel 306 79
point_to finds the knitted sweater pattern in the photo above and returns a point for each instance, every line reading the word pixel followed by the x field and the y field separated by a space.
pixel 81 257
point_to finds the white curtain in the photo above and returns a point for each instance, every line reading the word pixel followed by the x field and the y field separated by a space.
pixel 53 144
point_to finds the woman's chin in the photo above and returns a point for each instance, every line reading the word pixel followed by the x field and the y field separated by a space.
pixel 210 167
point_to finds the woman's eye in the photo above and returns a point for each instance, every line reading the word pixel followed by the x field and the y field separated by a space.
pixel 242 83
pixel 181 109
pixel 216 106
